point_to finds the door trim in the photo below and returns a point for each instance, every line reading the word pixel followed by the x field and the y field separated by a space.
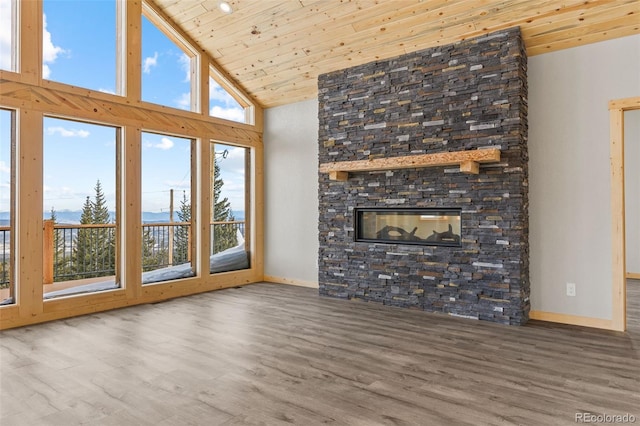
pixel 618 255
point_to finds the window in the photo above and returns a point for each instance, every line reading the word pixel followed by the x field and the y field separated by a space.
pixel 79 43
pixel 229 224
pixel 223 105
pixel 168 65
pixel 98 245
pixel 80 190
pixel 8 31
pixel 226 102
pixel 7 170
pixel 168 242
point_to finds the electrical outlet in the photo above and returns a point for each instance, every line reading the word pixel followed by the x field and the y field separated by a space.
pixel 571 289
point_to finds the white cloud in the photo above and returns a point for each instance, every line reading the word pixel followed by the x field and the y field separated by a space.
pixel 164 144
pixel 185 64
pixel 223 104
pixel 68 133
pixel 150 62
pixel 5 34
pixel 46 71
pixel 4 168
pixel 217 93
pixel 234 114
pixel 184 101
pixel 110 91
pixel 50 51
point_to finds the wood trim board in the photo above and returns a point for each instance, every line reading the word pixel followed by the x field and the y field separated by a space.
pixel 467 160
pixel 618 237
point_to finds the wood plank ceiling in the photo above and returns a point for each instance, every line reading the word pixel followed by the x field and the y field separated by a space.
pixel 275 49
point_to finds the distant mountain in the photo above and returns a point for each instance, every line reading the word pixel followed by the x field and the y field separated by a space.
pixel 73 216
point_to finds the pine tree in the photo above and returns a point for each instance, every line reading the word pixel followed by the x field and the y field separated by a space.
pixel 181 245
pixel 152 258
pixel 94 248
pixel 83 242
pixel 62 266
pixel 224 235
pixel 104 254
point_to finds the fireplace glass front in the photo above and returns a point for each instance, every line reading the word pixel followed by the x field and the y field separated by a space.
pixel 425 226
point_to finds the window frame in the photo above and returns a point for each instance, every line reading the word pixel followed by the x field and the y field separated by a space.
pixel 130 114
pixel 13 132
pixel 161 23
pixel 232 90
pixel 194 190
pixel 120 73
pixel 120 227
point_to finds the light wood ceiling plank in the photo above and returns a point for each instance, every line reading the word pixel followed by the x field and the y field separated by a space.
pixel 340 32
pixel 394 40
pixel 432 12
pixel 219 25
pixel 271 35
pixel 593 35
pixel 581 23
pixel 295 41
pixel 185 11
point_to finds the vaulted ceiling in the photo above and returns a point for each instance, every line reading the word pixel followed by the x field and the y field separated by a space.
pixel 275 49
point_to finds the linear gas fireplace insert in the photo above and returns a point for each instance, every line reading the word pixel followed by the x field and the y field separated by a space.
pixel 424 226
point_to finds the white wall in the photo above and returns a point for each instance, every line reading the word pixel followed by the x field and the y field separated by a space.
pixel 632 188
pixel 570 214
pixel 570 217
pixel 291 193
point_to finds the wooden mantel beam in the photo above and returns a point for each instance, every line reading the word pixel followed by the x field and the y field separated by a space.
pixel 469 162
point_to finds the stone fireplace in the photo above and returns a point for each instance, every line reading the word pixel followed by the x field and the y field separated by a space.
pixel 464 99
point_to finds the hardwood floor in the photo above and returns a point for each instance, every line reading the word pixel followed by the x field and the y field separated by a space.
pixel 275 354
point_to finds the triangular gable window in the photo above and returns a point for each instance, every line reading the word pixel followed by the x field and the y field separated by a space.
pixel 225 101
pixel 169 64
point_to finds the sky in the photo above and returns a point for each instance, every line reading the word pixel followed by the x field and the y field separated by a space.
pixel 79 48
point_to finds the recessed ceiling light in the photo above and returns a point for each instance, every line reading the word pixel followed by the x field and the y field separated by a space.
pixel 225 7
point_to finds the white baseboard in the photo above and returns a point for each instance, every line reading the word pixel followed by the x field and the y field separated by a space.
pixel 571 319
pixel 290 281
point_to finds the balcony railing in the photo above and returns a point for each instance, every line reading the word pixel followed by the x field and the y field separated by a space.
pixel 5 246
pixel 74 252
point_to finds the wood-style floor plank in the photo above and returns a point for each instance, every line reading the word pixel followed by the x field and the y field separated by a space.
pixel 270 354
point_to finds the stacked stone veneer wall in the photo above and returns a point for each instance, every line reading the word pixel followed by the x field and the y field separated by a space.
pixel 465 96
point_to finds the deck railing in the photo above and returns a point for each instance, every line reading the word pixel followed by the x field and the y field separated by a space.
pixel 5 246
pixel 76 251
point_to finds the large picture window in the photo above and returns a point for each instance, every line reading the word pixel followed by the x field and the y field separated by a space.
pixel 229 213
pixel 167 209
pixel 81 220
pixel 7 181
pixel 106 133
pixel 69 55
